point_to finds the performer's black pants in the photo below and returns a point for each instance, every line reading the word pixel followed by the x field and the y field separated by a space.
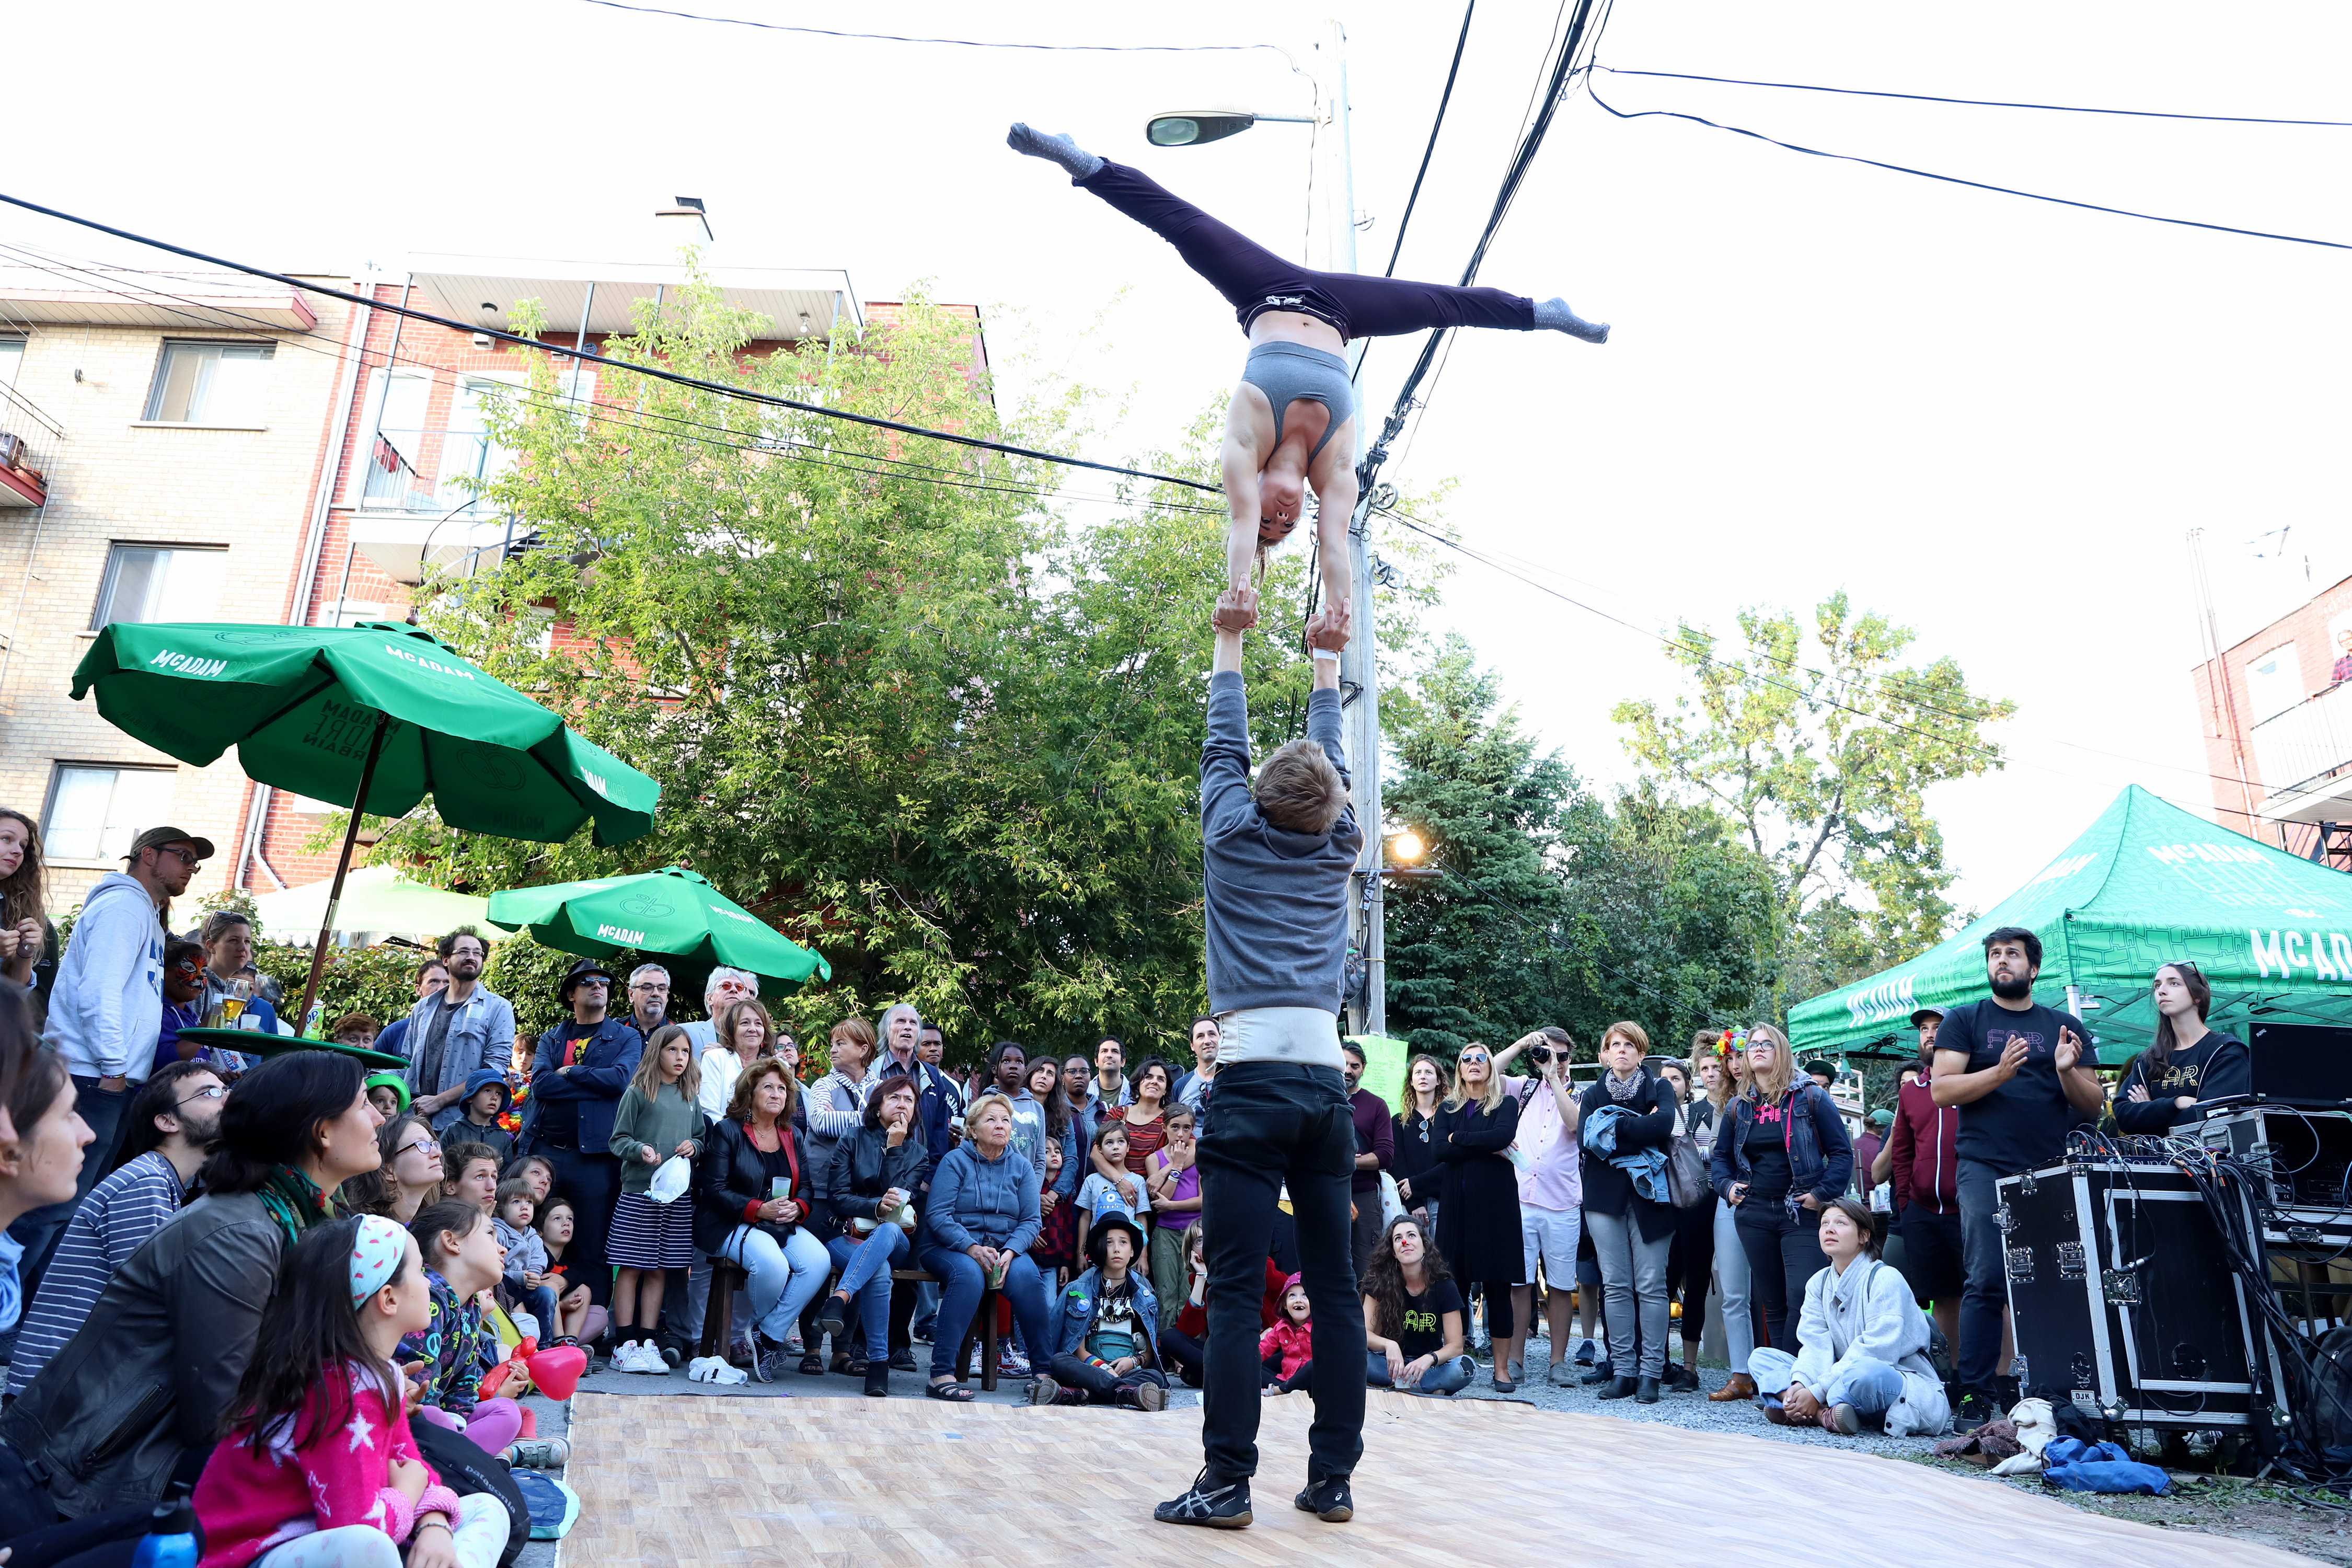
pixel 1253 278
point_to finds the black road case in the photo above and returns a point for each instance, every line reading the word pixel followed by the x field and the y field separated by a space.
pixel 2123 1298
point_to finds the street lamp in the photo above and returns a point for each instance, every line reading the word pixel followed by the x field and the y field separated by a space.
pixel 1408 845
pixel 1195 126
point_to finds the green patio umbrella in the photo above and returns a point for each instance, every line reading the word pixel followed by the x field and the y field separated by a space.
pixel 374 717
pixel 673 912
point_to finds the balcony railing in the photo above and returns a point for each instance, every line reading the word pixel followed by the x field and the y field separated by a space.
pixel 2306 742
pixel 430 470
pixel 28 446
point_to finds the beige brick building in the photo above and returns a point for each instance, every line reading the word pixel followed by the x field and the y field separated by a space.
pixel 170 438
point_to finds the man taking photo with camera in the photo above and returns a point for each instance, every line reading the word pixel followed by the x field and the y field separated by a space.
pixel 1551 1195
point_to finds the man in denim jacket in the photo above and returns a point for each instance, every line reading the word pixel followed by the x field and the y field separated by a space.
pixel 456 1032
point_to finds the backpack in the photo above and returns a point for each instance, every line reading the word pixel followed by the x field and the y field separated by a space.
pixel 553 1505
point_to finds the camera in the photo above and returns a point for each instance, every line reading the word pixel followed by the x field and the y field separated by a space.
pixel 1539 1054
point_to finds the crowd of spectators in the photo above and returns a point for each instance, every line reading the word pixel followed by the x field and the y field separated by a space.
pixel 179 1221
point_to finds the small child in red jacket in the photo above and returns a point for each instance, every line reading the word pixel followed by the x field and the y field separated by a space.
pixel 318 1467
pixel 1287 1349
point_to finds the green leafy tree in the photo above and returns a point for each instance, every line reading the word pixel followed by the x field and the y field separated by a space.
pixel 898 707
pixel 1547 904
pixel 1820 753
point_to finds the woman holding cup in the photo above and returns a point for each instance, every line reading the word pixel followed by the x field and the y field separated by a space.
pixel 876 1173
pixel 754 1206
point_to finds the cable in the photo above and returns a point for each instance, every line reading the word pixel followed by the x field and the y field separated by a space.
pixel 957 43
pixel 590 356
pixel 1979 102
pixel 1957 180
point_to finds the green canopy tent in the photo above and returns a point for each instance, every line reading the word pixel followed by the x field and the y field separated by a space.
pixel 673 912
pixel 2147 883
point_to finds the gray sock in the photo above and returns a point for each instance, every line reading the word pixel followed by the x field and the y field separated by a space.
pixel 1555 315
pixel 1074 159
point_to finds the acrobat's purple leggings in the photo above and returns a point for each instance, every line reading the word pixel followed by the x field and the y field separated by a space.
pixel 1254 279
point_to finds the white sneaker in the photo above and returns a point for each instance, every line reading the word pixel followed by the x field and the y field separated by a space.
pixel 633 1357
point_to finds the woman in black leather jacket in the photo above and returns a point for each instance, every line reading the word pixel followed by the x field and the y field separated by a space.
pixel 753 1207
pixel 876 1173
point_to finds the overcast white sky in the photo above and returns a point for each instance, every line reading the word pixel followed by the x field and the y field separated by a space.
pixel 1990 418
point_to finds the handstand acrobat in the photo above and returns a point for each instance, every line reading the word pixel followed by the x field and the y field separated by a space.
pixel 1276 861
pixel 1288 424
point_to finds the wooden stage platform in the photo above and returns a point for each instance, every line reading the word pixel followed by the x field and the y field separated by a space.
pixel 692 1482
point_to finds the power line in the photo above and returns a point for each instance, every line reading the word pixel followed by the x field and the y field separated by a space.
pixel 1957 180
pixel 957 43
pixel 207 316
pixel 1704 654
pixel 1979 102
pixel 590 356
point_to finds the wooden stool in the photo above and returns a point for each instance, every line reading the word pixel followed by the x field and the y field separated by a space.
pixel 718 1316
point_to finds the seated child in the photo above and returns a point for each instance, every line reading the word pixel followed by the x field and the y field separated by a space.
pixel 578 1320
pixel 1286 1351
pixel 527 1278
pixel 486 1098
pixel 461 1263
pixel 1108 1350
pixel 388 1092
pixel 317 1464
pixel 1101 1194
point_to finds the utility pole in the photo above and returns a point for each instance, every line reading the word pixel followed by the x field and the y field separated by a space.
pixel 1360 685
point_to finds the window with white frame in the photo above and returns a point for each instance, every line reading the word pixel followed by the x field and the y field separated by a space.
pixel 11 362
pixel 210 384
pixel 2274 683
pixel 95 811
pixel 160 582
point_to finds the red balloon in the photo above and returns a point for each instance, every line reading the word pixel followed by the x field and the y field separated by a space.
pixel 556 1372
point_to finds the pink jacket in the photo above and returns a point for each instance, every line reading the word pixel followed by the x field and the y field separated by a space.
pixel 1293 1343
pixel 303 1480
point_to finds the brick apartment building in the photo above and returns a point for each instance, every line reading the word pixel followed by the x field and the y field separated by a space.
pixel 2277 711
pixel 192 446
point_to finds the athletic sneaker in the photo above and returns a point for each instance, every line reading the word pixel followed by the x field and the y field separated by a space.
pixel 760 1361
pixel 1587 1354
pixel 1011 1362
pixel 624 1357
pixel 540 1454
pixel 1327 1500
pixel 1843 1419
pixel 1974 1411
pixel 1216 1505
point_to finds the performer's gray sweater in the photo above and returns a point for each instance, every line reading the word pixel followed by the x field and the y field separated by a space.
pixel 1275 902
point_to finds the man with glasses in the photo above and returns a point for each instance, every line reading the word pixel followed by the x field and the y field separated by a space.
pixel 2023 1076
pixel 725 987
pixel 456 1032
pixel 432 977
pixel 176 1113
pixel 648 998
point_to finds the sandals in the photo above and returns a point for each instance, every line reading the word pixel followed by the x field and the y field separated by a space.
pixel 953 1392
pixel 812 1365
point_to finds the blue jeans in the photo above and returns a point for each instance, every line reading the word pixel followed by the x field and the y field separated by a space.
pixel 959 1287
pixel 784 1278
pixel 1443 1377
pixel 1275 1121
pixel 540 1304
pixel 1984 1300
pixel 1872 1388
pixel 865 1279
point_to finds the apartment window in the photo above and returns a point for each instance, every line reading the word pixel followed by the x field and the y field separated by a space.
pixel 2274 683
pixel 159 583
pixel 12 361
pixel 209 384
pixel 95 811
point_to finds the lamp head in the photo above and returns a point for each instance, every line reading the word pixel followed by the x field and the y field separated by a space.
pixel 1193 127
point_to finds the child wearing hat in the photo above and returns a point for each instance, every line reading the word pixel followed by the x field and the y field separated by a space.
pixel 1108 1350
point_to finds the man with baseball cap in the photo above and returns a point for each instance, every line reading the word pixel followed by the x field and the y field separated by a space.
pixel 107 1010
pixel 1921 1157
pixel 577 1075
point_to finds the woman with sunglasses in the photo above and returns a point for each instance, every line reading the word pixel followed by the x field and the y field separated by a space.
pixel 1478 1222
pixel 1782 1155
pixel 2187 1064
